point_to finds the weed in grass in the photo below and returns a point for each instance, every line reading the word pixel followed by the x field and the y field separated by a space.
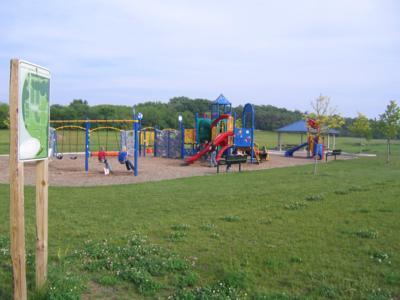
pixel 296 259
pixel 235 278
pixel 265 221
pixel 231 218
pixel 342 192
pixel 272 264
pixel 295 205
pixel 177 236
pixel 207 227
pixel 132 259
pixel 380 257
pixel 385 210
pixel 328 291
pixel 61 284
pixel 393 278
pixel 186 280
pixel 218 291
pixel 107 280
pixel 66 286
pixel 315 197
pixel 363 211
pixel 357 188
pixel 180 227
pixel 215 235
pixel 276 296
pixel 379 294
pixel 367 234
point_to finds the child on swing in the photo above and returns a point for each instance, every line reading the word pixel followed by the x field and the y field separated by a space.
pixel 123 159
pixel 102 158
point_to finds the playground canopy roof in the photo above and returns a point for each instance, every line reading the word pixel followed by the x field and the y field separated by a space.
pixel 301 127
pixel 221 100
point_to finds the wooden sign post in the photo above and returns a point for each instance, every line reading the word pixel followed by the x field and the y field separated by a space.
pixel 29 129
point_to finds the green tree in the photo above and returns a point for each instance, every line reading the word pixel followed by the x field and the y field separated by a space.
pixel 361 128
pixel 390 124
pixel 325 114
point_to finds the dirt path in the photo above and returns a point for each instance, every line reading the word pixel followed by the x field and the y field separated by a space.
pixel 67 172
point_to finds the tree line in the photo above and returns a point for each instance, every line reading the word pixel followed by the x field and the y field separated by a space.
pixel 165 115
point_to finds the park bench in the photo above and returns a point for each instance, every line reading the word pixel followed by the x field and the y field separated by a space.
pixel 333 153
pixel 232 160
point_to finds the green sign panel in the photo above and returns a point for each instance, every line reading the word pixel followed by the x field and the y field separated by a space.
pixel 33 113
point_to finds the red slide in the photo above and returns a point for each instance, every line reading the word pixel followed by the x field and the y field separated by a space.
pixel 221 139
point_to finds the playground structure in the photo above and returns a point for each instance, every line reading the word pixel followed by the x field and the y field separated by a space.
pixel 314 144
pixel 216 128
pixel 219 129
pixel 73 137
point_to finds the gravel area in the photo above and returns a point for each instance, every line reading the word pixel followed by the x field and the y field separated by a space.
pixel 67 172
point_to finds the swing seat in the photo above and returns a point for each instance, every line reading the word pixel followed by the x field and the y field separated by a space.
pixel 108 153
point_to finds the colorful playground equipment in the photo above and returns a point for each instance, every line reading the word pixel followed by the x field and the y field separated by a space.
pixel 218 129
pixel 73 137
pixel 214 128
pixel 314 143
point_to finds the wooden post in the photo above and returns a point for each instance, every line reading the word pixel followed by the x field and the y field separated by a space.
pixel 42 186
pixel 334 142
pixel 279 142
pixel 329 142
pixel 17 214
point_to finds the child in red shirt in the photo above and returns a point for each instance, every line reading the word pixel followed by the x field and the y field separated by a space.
pixel 102 158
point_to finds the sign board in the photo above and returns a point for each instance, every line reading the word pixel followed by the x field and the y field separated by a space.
pixel 34 112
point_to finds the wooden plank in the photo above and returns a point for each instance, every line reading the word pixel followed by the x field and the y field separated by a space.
pixel 42 187
pixel 17 217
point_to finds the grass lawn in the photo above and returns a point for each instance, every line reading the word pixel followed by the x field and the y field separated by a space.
pixel 273 234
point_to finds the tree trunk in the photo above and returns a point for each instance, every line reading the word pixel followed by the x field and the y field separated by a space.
pixel 388 151
pixel 360 144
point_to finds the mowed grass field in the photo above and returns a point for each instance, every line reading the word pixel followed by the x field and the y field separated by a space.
pixel 272 234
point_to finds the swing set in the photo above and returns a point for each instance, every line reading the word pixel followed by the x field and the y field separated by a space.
pixel 72 139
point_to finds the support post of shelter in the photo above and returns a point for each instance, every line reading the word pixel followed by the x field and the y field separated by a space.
pixel 17 214
pixel 136 146
pixel 87 145
pixel 329 141
pixel 42 186
pixel 279 141
pixel 334 142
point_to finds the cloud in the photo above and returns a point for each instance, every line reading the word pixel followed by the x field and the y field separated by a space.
pixel 270 52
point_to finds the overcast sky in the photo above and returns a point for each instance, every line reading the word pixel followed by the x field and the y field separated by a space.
pixel 283 53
